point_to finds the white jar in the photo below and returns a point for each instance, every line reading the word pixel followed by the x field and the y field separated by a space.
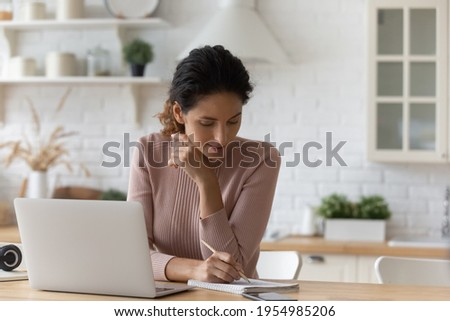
pixel 60 64
pixel 69 9
pixel 32 10
pixel 308 225
pixel 21 67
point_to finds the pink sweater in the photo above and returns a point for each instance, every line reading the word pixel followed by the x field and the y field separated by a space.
pixel 171 203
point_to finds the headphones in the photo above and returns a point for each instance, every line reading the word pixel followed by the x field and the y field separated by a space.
pixel 10 257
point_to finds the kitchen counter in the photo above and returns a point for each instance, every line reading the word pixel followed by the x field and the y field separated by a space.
pixel 321 246
pixel 310 245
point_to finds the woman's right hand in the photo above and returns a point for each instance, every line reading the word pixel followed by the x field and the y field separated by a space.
pixel 220 267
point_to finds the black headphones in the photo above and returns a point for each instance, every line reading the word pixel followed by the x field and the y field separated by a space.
pixel 10 257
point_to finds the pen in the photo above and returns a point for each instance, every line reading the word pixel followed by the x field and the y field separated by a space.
pixel 214 251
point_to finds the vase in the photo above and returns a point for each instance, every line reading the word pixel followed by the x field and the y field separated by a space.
pixel 137 70
pixel 37 185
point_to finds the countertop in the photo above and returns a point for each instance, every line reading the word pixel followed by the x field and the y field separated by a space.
pixel 318 245
pixel 311 245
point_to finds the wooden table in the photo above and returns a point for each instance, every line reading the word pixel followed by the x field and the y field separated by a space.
pixel 309 291
pixel 9 234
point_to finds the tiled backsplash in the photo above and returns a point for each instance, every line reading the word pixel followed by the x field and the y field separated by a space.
pixel 322 90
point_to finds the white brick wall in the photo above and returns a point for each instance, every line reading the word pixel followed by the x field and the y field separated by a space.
pixel 323 89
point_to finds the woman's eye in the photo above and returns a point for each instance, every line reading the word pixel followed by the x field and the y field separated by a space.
pixel 206 123
pixel 233 122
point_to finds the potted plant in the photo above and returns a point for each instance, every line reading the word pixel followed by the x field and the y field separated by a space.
pixel 41 151
pixel 113 195
pixel 138 54
pixel 361 221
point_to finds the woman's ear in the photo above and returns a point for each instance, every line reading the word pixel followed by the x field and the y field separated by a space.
pixel 178 113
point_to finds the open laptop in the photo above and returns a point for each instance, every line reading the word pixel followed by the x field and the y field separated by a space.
pixel 88 246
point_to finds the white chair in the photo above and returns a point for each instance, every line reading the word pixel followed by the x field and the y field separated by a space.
pixel 400 270
pixel 279 265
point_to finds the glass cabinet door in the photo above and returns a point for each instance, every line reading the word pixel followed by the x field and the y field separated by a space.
pixel 407 79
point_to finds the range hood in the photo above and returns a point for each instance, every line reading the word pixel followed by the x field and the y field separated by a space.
pixel 239 28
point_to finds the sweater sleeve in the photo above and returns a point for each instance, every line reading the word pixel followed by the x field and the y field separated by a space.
pixel 241 233
pixel 140 189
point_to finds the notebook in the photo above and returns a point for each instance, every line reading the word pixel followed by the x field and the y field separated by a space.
pixel 242 286
pixel 88 246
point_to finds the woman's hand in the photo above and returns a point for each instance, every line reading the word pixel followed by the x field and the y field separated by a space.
pixel 219 267
pixel 186 155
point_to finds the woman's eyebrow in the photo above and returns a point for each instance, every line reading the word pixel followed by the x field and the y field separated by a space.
pixel 212 118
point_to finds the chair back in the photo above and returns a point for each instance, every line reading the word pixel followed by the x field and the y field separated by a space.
pixel 412 271
pixel 279 265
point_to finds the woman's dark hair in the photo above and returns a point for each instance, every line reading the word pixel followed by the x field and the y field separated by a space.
pixel 205 71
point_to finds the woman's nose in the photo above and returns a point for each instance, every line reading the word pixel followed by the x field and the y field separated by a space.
pixel 221 136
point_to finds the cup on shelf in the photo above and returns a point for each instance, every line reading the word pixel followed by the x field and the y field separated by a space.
pixel 21 67
pixel 32 10
pixel 60 64
pixel 69 9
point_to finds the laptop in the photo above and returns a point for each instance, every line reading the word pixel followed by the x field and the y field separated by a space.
pixel 88 246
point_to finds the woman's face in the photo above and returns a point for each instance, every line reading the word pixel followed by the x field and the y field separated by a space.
pixel 213 122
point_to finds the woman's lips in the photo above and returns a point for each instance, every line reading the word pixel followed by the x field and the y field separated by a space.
pixel 214 149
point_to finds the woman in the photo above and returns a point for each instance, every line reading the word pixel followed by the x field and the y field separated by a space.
pixel 198 181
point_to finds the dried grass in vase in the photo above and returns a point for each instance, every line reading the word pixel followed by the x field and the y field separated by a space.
pixel 42 153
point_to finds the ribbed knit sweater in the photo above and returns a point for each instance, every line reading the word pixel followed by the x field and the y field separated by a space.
pixel 247 178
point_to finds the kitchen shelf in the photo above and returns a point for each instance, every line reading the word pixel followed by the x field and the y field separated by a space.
pixel 9 30
pixel 153 23
pixel 83 80
pixel 131 84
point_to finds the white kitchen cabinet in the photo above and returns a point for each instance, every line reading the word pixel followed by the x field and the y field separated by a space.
pixel 366 269
pixel 408 77
pixel 328 267
pixel 338 268
pixel 120 27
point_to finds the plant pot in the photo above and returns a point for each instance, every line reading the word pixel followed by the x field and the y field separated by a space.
pixel 137 70
pixel 355 230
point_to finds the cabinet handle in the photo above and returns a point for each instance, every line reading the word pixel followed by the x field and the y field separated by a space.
pixel 315 259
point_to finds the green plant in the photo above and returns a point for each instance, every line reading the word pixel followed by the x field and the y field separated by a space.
pixel 336 206
pixel 138 52
pixel 373 207
pixel 114 195
pixel 369 207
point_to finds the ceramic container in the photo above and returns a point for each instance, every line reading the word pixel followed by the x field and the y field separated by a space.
pixel 60 64
pixel 69 9
pixel 21 67
pixel 32 10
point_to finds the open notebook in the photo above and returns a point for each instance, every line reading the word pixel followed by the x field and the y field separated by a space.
pixel 13 275
pixel 242 286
